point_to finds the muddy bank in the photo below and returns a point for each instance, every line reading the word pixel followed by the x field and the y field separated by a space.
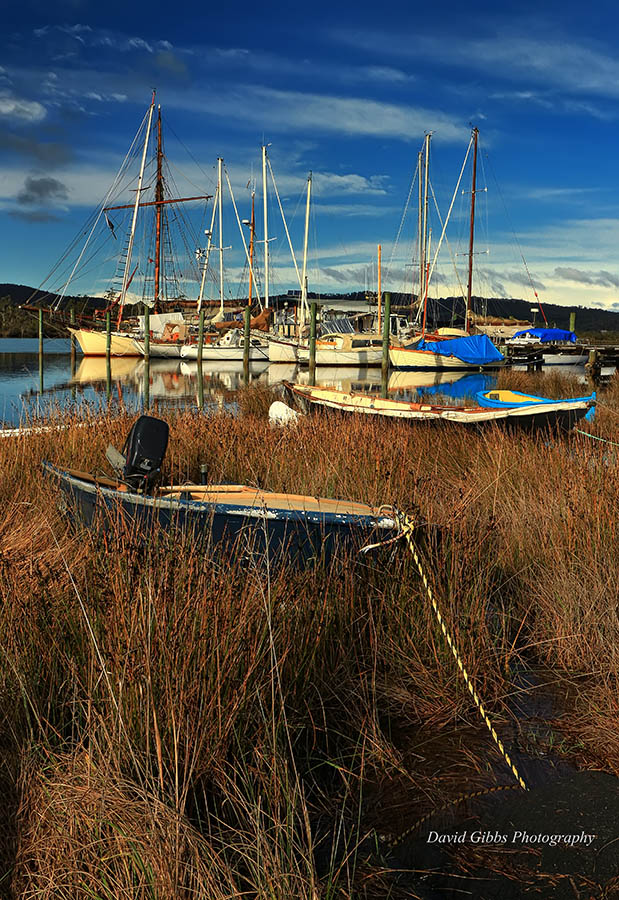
pixel 557 840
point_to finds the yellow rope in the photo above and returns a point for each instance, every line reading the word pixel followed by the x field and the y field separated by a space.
pixel 407 528
pixel 460 799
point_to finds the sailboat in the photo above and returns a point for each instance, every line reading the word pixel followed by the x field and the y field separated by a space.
pixel 166 329
pixel 463 352
pixel 291 350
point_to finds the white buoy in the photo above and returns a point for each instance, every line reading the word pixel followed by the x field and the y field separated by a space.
pixel 280 414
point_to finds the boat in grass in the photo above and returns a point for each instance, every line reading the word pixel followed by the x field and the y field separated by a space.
pixel 561 414
pixel 256 522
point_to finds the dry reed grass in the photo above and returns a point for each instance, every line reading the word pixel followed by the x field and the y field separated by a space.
pixel 174 726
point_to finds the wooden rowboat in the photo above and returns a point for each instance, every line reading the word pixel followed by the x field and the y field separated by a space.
pixel 561 414
pixel 297 527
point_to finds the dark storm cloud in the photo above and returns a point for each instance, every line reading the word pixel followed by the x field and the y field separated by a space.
pixel 35 215
pixel 41 191
pixel 50 153
pixel 601 278
pixel 169 62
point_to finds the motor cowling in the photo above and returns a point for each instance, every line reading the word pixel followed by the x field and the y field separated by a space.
pixel 144 451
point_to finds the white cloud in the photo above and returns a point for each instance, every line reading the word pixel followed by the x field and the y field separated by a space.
pixel 12 107
pixel 579 67
pixel 289 111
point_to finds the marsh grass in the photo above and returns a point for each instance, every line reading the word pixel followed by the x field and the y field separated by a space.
pixel 177 724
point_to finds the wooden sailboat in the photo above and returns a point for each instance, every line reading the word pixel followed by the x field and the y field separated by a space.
pixel 129 341
pixel 443 353
pixel 291 350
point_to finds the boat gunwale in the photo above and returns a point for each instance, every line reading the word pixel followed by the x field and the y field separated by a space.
pixel 93 485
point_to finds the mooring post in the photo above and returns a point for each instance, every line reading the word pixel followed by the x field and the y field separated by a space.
pixel 200 386
pixel 312 342
pixel 386 337
pixel 246 342
pixel 593 367
pixel 146 383
pixel 41 350
pixel 200 339
pixel 73 342
pixel 146 331
pixel 108 333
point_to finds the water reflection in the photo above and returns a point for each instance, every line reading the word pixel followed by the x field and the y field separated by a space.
pixel 131 382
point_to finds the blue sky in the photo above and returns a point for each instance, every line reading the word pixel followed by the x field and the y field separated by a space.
pixel 347 92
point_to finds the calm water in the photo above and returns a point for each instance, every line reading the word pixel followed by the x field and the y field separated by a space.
pixel 26 391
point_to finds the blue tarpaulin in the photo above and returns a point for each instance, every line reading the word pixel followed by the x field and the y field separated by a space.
pixel 476 349
pixel 548 334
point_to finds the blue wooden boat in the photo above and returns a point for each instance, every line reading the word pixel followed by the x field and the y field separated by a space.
pixel 255 522
pixel 565 412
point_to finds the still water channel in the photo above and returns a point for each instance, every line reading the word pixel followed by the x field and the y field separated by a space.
pixel 29 389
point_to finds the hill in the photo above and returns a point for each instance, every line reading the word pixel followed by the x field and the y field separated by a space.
pixel 590 321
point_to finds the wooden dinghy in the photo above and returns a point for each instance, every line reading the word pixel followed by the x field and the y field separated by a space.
pixel 561 414
pixel 258 522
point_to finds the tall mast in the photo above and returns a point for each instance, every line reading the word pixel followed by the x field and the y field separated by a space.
pixel 123 292
pixel 379 292
pixel 221 234
pixel 158 200
pixel 472 231
pixel 209 244
pixel 305 239
pixel 266 226
pixel 252 231
pixel 420 229
pixel 426 177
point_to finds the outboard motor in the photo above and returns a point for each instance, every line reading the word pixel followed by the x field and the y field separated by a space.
pixel 139 465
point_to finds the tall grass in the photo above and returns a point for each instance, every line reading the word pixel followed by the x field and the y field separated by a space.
pixel 176 724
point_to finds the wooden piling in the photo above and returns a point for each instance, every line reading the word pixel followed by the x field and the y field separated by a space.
pixel 200 339
pixel 386 339
pixel 73 341
pixel 146 384
pixel 41 384
pixel 312 342
pixel 146 331
pixel 108 334
pixel 246 343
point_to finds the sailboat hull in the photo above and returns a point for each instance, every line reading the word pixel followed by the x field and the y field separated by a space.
pixel 94 343
pixel 160 349
pixel 281 351
pixel 402 358
pixel 336 357
pixel 213 352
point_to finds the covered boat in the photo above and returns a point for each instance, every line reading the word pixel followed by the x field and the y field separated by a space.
pixel 256 522
pixel 472 352
pixel 561 414
pixel 558 346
